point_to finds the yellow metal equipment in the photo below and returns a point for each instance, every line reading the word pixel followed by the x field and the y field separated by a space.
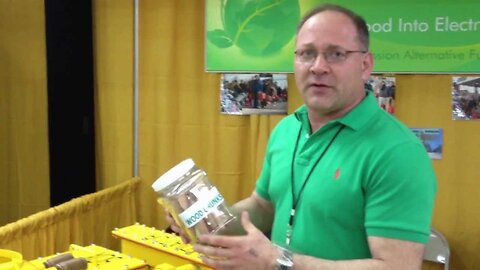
pixel 142 247
pixel 97 257
pixel 10 260
pixel 158 248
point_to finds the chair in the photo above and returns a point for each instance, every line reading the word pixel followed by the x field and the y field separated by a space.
pixel 437 249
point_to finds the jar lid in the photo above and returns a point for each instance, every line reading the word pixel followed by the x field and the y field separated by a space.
pixel 173 174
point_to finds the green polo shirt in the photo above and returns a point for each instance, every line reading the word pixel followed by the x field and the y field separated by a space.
pixel 375 179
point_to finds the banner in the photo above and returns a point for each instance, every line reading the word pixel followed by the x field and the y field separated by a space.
pixel 410 36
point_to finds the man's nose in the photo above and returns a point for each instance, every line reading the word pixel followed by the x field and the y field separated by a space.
pixel 320 65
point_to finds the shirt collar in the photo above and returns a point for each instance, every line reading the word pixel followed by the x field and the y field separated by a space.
pixel 355 118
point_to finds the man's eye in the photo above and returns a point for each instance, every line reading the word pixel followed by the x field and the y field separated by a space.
pixel 308 54
pixel 336 54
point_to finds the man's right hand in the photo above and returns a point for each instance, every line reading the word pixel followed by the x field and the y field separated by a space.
pixel 176 228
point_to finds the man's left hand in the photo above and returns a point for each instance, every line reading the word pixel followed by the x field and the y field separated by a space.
pixel 251 251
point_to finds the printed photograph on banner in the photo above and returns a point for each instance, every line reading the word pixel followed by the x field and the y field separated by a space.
pixel 465 98
pixel 432 139
pixel 253 93
pixel 384 90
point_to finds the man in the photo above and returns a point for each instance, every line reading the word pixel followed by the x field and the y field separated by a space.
pixel 257 87
pixel 383 94
pixel 344 185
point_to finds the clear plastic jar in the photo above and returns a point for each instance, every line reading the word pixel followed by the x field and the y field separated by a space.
pixel 192 200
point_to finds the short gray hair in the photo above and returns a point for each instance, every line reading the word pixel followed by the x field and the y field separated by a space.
pixel 358 21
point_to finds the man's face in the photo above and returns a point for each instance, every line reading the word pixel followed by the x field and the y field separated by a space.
pixel 331 88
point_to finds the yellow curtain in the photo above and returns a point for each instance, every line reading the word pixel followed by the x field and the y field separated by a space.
pixel 113 57
pixel 84 220
pixel 425 101
pixel 180 108
pixel 179 103
pixel 24 163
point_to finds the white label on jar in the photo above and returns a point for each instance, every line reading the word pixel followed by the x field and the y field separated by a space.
pixel 208 202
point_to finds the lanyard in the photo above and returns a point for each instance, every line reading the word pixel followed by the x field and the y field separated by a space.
pixel 297 199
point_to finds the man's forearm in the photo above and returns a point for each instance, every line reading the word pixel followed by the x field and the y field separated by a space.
pixel 302 262
pixel 388 254
pixel 259 210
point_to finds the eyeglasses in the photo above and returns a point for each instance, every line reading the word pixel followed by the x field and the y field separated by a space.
pixel 334 55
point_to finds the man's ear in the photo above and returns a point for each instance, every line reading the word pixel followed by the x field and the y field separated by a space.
pixel 367 66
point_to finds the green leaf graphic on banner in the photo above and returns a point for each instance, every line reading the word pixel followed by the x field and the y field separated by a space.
pixel 257 27
pixel 220 38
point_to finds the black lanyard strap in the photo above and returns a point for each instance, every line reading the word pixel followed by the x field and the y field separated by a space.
pixel 296 200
